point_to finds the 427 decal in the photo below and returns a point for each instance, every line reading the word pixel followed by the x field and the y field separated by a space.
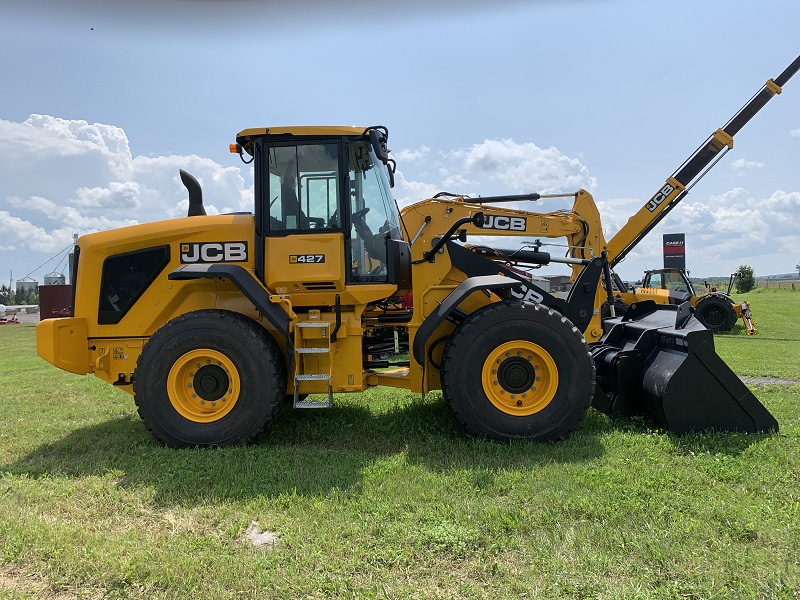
pixel 306 258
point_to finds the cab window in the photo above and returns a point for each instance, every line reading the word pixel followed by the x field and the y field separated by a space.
pixel 303 187
pixel 674 282
pixel 654 281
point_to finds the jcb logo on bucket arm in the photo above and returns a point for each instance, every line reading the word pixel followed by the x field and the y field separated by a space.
pixel 210 252
pixel 504 223
pixel 656 200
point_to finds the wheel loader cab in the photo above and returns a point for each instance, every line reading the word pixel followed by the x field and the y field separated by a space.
pixel 670 283
pixel 668 279
pixel 326 220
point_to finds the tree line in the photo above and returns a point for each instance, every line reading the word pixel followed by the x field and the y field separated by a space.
pixel 11 297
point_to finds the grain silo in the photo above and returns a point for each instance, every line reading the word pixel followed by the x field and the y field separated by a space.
pixel 54 279
pixel 26 284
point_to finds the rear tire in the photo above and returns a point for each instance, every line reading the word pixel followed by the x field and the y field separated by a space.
pixel 716 314
pixel 209 378
pixel 518 371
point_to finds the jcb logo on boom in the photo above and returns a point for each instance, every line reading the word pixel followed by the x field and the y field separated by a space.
pixel 504 223
pixel 211 252
pixel 656 200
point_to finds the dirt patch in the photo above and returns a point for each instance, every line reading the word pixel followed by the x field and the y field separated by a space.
pixel 769 381
pixel 15 581
pixel 259 537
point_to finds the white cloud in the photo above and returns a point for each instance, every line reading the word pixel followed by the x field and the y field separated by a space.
pixel 725 231
pixel 407 192
pixel 123 195
pixel 794 132
pixel 741 163
pixel 503 166
pixel 66 137
pixel 524 167
pixel 411 156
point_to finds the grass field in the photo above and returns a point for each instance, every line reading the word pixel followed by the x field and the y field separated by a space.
pixel 384 497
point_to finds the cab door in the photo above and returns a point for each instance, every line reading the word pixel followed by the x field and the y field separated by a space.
pixel 304 239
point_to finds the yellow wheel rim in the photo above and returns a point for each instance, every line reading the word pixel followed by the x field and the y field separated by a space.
pixel 203 385
pixel 520 378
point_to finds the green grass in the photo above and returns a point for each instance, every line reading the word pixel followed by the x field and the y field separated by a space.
pixel 775 350
pixel 384 497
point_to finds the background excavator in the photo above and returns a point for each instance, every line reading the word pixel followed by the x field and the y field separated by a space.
pixel 213 323
pixel 715 309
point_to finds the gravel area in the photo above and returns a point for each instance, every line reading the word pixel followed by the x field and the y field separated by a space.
pixel 769 381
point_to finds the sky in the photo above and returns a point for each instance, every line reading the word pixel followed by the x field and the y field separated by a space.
pixel 102 102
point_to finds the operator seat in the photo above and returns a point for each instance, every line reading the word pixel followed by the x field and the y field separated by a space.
pixel 291 207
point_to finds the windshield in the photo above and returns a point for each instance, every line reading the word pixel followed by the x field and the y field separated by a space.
pixel 374 214
pixel 370 187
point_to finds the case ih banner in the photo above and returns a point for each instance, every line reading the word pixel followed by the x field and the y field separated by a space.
pixel 675 251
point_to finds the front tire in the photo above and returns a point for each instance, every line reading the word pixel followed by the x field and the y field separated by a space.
pixel 515 371
pixel 209 378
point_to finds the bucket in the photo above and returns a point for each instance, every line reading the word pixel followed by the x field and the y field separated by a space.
pixel 659 361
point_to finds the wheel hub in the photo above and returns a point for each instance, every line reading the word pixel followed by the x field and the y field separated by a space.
pixel 203 385
pixel 516 374
pixel 715 316
pixel 210 382
pixel 519 378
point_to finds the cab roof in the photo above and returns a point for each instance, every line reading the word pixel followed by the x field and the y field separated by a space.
pixel 245 137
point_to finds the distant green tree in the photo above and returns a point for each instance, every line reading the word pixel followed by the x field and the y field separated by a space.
pixel 21 297
pixel 5 295
pixel 745 279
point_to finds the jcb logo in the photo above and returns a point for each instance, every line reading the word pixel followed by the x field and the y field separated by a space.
pixel 526 294
pixel 656 200
pixel 211 252
pixel 504 223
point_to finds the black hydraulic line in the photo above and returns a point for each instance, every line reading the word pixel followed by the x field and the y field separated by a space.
pixel 476 219
pixel 607 282
pixel 522 256
pixel 497 199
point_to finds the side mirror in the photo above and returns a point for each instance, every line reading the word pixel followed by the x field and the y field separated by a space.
pixel 379 140
pixel 391 167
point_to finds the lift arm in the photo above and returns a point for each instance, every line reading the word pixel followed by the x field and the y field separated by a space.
pixel 689 173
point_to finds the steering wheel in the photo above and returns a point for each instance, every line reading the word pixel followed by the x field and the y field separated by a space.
pixel 360 213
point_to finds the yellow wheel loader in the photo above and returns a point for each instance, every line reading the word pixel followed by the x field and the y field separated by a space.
pixel 716 310
pixel 213 323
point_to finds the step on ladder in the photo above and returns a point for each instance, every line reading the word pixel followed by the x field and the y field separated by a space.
pixel 322 345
